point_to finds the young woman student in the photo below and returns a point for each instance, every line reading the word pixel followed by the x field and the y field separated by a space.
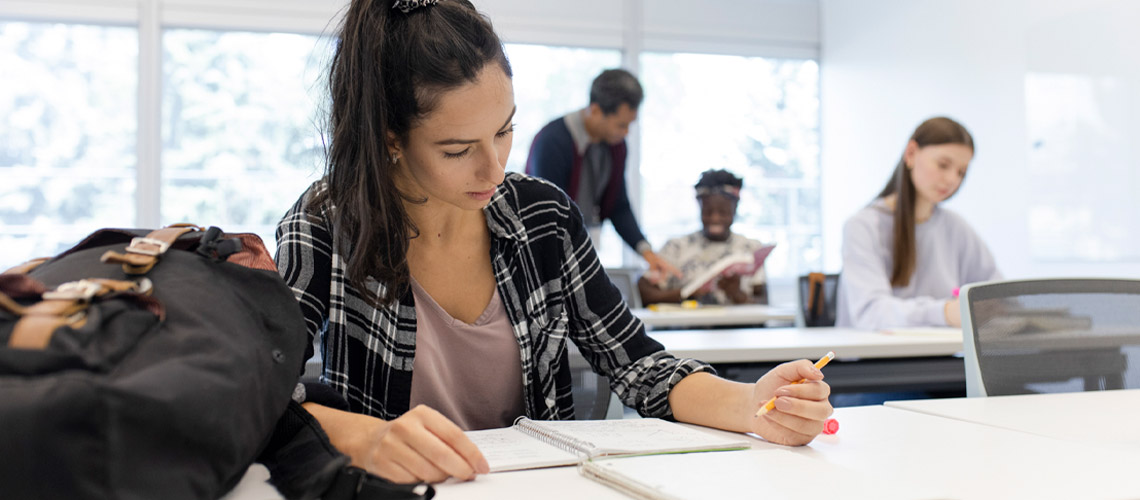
pixel 718 193
pixel 445 290
pixel 904 255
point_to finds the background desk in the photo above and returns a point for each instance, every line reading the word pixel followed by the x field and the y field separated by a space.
pixel 865 361
pixel 1102 417
pixel 707 316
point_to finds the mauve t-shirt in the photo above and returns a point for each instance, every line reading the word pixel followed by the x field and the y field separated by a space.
pixel 471 373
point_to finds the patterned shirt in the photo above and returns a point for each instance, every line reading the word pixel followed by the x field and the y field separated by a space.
pixel 552 286
pixel 694 254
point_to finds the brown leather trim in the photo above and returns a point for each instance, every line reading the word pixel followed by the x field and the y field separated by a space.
pixel 27 267
pixel 60 308
pixel 34 332
pixel 135 263
pixel 7 304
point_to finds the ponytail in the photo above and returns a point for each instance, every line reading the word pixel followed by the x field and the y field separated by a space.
pixel 387 72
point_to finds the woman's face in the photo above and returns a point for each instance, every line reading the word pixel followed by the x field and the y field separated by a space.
pixel 717 213
pixel 937 170
pixel 457 155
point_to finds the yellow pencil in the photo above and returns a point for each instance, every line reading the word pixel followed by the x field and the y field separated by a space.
pixel 771 404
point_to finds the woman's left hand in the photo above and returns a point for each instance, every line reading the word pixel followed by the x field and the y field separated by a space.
pixel 801 409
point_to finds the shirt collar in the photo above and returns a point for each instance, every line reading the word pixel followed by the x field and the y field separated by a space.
pixel 502 217
pixel 576 123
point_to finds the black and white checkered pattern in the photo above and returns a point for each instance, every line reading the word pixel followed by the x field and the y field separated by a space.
pixel 553 289
pixel 407 6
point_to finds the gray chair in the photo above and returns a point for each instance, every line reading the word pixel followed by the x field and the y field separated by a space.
pixel 592 395
pixel 625 279
pixel 1051 335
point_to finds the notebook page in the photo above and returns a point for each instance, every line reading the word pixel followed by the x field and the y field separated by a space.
pixel 773 474
pixel 644 435
pixel 509 449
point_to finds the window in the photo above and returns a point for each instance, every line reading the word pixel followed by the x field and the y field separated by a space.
pixel 241 127
pixel 756 117
pixel 550 82
pixel 67 140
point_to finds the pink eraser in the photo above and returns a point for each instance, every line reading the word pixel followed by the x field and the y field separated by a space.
pixel 830 426
pixel 954 292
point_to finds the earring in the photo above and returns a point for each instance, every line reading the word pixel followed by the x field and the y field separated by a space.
pixel 395 159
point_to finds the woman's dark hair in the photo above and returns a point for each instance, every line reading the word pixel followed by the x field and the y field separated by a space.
pixel 937 130
pixel 614 87
pixel 387 73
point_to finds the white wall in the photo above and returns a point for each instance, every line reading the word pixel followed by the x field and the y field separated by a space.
pixel 888 64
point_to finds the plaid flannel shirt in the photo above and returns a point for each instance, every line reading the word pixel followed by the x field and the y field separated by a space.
pixel 553 288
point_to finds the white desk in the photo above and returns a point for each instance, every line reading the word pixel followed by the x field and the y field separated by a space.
pixel 921 456
pixel 749 345
pixel 707 316
pixel 908 452
pixel 1103 417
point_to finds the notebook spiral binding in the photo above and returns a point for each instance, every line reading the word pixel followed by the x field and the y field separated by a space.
pixel 554 438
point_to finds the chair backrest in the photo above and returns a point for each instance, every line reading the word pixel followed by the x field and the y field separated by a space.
pixel 1051 335
pixel 817 298
pixel 625 279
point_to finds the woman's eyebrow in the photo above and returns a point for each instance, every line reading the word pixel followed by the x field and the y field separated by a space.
pixel 451 142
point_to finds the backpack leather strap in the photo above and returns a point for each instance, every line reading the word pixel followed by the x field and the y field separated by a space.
pixel 143 253
pixel 26 267
pixel 65 306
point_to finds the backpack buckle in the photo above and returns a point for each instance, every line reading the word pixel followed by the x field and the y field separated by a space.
pixel 147 246
pixel 82 290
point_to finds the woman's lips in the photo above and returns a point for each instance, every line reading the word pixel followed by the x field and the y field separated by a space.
pixel 481 195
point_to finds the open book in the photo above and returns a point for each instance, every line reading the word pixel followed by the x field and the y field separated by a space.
pixel 531 444
pixel 743 264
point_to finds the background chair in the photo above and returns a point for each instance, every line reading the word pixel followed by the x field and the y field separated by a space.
pixel 817 298
pixel 1051 335
pixel 625 279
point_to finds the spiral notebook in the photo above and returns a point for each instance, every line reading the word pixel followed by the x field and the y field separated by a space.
pixel 531 444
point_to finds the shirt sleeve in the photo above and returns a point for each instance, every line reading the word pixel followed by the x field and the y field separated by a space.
pixel 625 223
pixel 611 339
pixel 866 287
pixel 304 260
pixel 551 160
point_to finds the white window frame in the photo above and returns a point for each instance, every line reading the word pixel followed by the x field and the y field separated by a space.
pixel 518 21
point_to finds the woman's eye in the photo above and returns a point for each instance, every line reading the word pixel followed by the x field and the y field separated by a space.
pixel 507 131
pixel 460 154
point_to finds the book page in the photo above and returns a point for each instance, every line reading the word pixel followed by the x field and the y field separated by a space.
pixel 643 435
pixel 511 449
pixel 773 474
pixel 744 264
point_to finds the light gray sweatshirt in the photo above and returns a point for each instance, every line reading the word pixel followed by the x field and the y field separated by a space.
pixel 949 254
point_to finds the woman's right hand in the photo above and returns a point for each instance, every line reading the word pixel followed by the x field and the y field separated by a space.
pixel 419 446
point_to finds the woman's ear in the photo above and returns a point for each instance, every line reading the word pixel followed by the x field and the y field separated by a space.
pixel 910 153
pixel 393 145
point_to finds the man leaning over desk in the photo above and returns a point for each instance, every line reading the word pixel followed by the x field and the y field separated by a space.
pixel 584 153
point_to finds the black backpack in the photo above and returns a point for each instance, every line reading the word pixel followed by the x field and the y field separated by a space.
pixel 159 365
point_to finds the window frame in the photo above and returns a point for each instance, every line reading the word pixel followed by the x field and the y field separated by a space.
pixel 640 26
